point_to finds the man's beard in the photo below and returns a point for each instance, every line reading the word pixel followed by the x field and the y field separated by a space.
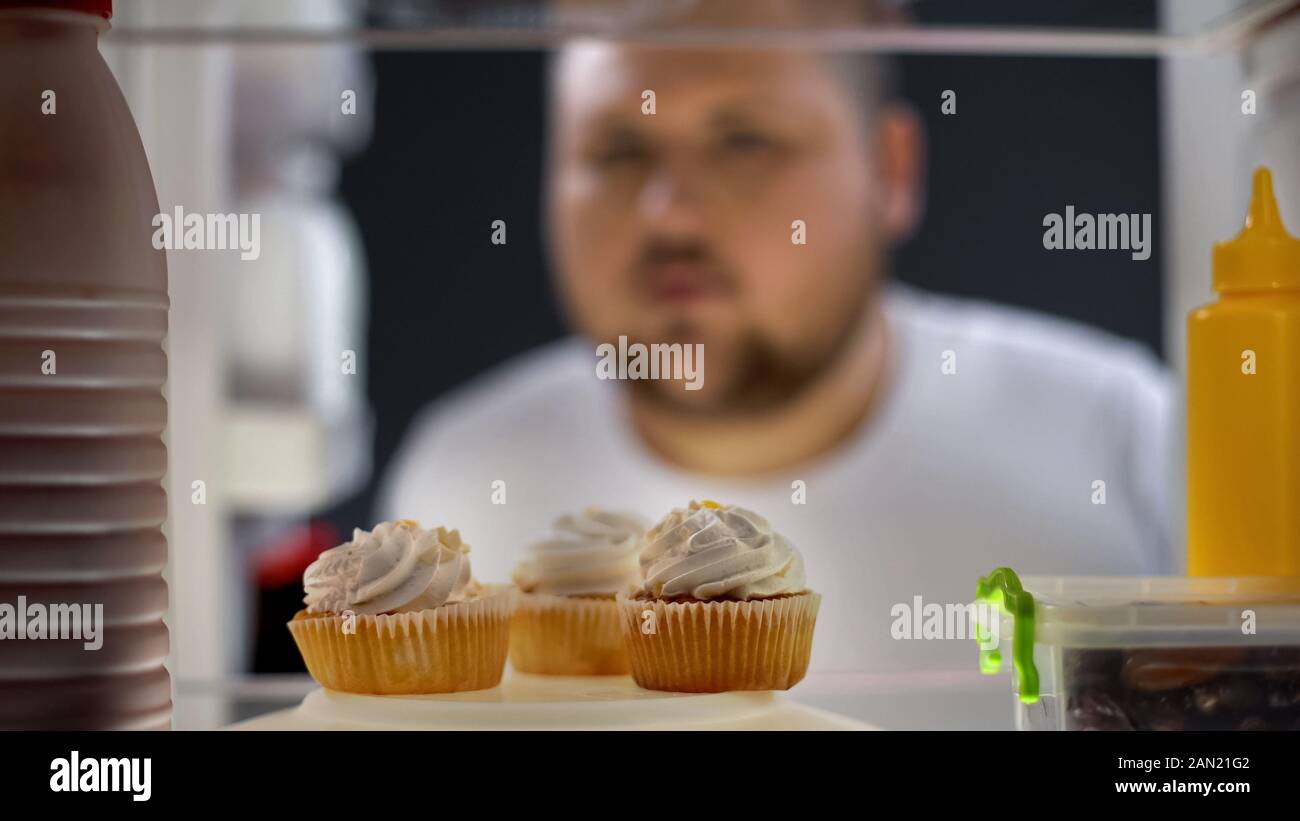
pixel 762 378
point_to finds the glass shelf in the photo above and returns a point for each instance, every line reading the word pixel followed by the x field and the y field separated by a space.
pixel 1083 29
pixel 964 700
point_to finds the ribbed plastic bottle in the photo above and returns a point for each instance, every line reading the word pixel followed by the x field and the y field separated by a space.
pixel 83 314
pixel 1243 403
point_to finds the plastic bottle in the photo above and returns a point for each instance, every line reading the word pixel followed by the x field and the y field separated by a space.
pixel 83 313
pixel 1243 403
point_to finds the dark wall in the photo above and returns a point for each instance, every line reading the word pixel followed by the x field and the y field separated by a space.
pixel 1030 137
pixel 458 144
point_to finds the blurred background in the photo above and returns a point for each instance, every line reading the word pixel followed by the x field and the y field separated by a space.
pixel 373 228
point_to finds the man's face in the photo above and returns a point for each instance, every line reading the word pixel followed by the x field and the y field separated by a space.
pixel 676 226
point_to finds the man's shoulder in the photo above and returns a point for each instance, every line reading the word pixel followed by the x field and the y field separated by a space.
pixel 552 381
pixel 1012 343
pixel 1059 404
pixel 537 403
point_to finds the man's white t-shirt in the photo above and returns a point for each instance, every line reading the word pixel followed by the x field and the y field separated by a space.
pixel 955 474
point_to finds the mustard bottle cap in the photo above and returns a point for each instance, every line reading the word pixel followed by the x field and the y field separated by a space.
pixel 1263 256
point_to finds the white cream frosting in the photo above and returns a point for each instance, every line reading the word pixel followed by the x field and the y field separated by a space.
pixel 594 552
pixel 398 567
pixel 710 551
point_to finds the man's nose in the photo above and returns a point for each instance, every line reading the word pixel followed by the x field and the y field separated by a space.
pixel 672 198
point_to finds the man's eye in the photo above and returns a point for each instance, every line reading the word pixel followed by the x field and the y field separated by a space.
pixel 745 141
pixel 621 154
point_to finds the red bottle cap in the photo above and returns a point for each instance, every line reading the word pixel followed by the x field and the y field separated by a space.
pixel 99 8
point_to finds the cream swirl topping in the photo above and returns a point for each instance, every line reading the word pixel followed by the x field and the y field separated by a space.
pixel 398 567
pixel 709 551
pixel 590 553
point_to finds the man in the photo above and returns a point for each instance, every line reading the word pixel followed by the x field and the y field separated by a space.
pixel 906 444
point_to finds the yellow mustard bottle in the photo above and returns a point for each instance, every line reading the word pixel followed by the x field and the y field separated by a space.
pixel 1243 403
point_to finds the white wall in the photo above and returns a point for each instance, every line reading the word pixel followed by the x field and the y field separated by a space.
pixel 179 97
pixel 1209 149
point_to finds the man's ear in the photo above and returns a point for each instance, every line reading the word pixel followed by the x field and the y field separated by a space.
pixel 900 161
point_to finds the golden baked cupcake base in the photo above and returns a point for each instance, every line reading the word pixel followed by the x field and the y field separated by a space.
pixel 716 646
pixel 456 647
pixel 567 636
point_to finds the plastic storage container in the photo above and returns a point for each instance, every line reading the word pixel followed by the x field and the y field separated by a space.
pixel 1158 653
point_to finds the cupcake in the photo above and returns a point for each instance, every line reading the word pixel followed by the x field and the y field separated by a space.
pixel 396 611
pixel 722 605
pixel 566 621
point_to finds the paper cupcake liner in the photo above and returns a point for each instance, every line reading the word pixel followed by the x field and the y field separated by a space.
pixel 448 649
pixel 712 647
pixel 567 636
